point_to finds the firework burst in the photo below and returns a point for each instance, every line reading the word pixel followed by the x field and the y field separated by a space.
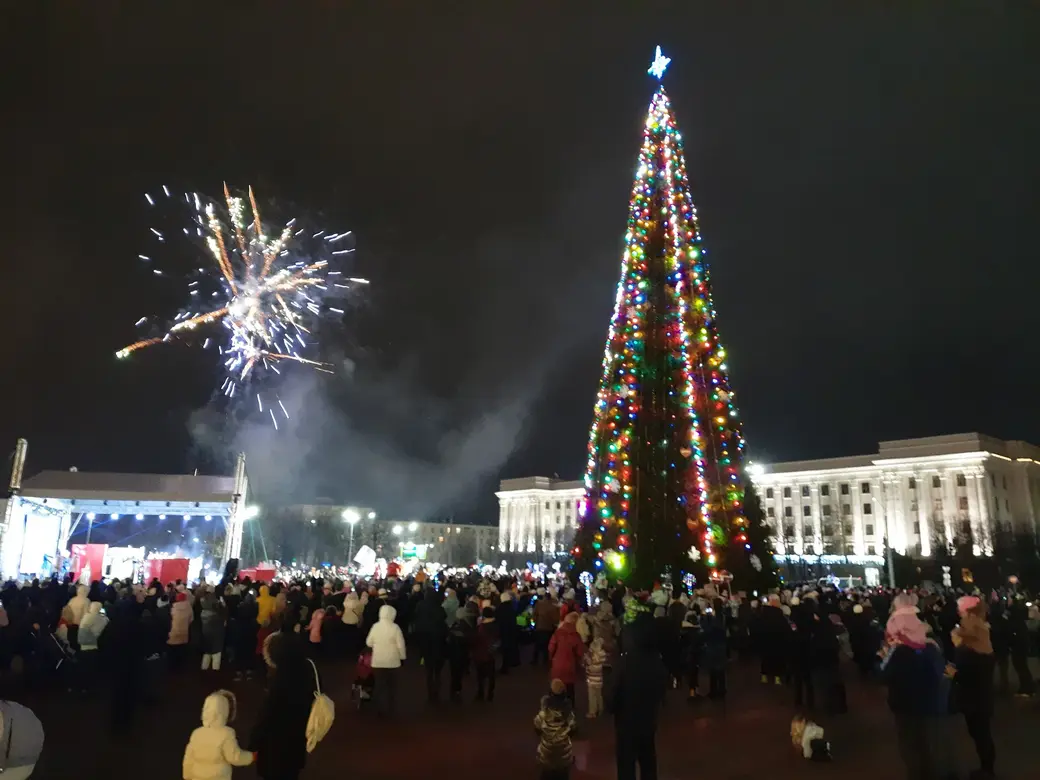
pixel 261 291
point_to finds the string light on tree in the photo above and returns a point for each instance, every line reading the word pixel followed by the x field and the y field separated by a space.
pixel 664 475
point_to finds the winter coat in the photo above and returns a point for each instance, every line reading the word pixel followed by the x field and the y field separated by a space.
pixel 546 615
pixel 460 639
pixel 555 723
pixel 77 606
pixel 91 627
pixel 213 748
pixel 974 658
pixel 691 642
pixel 430 621
pixel 451 606
pixel 916 682
pixel 386 640
pixel 638 685
pixel 180 623
pixel 264 605
pixel 314 628
pixel 566 651
pixel 486 641
pixel 351 609
pixel 212 620
pixel 594 660
pixel 774 632
pixel 280 735
pixel 370 613
pixel 505 616
pixel 605 627
pixel 713 652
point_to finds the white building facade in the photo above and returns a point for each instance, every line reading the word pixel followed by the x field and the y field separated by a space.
pixel 915 492
pixel 537 516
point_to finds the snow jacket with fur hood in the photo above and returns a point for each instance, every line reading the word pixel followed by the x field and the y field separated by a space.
pixel 90 628
pixel 386 640
pixel 77 606
pixel 213 748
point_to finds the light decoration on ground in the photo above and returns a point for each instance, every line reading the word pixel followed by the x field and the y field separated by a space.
pixel 265 292
pixel 671 309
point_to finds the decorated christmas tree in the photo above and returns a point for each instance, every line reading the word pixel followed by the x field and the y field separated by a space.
pixel 665 480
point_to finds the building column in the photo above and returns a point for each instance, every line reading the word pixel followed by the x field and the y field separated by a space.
pixel 923 517
pixel 797 520
pixel 893 521
pixel 951 507
pixel 975 509
pixel 503 522
pixel 817 517
pixel 910 516
pixel 985 499
pixel 856 502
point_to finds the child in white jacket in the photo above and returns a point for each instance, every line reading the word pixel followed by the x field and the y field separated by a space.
pixel 213 748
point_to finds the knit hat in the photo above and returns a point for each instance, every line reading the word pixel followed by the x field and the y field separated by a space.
pixel 905 628
pixel 905 602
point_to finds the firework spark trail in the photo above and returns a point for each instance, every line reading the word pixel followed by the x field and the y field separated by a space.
pixel 265 312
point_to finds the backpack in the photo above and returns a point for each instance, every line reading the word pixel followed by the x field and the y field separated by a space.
pixel 323 713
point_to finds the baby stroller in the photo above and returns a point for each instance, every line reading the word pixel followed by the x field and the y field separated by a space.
pixel 53 656
pixel 364 680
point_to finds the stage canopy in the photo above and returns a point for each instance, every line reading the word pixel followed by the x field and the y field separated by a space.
pixel 42 510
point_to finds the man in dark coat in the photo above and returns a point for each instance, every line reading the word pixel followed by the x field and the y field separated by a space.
pixel 430 626
pixel 280 735
pixel 774 634
pixel 505 617
pixel 370 615
pixel 638 689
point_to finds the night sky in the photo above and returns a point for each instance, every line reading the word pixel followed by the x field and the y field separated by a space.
pixel 866 178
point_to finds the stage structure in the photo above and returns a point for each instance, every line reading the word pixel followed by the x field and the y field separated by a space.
pixel 41 512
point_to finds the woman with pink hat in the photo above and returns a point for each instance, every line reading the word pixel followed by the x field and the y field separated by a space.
pixel 918 692
pixel 973 682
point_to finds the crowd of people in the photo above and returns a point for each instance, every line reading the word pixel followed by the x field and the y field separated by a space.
pixel 938 653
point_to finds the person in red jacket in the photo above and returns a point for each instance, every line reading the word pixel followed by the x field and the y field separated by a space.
pixel 566 650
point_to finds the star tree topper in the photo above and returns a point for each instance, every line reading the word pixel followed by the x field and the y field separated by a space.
pixel 658 66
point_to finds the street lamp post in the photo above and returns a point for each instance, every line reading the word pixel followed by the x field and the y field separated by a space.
pixel 352 516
